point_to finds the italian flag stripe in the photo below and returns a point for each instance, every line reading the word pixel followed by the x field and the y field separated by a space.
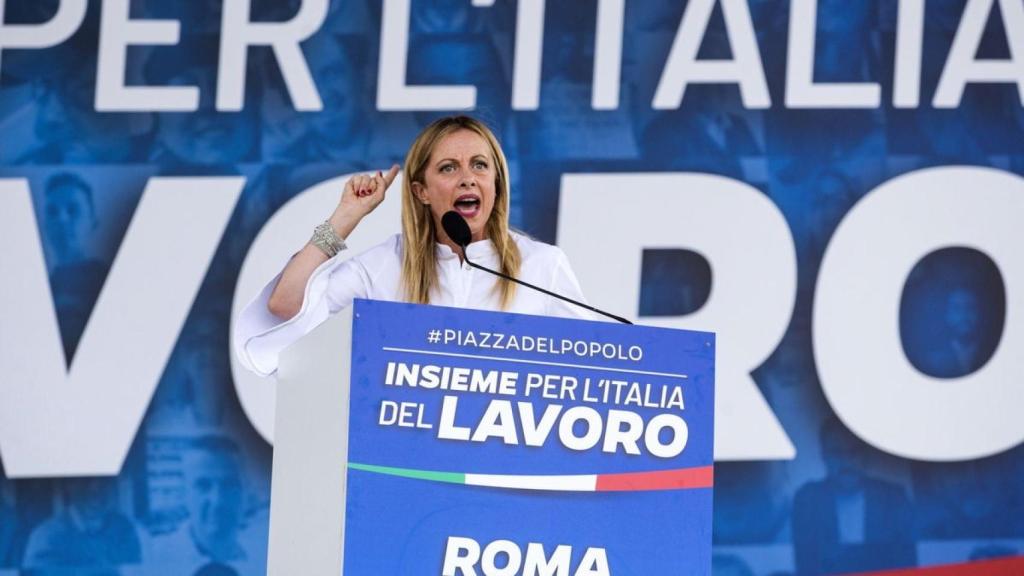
pixel 579 483
pixel 447 477
pixel 679 479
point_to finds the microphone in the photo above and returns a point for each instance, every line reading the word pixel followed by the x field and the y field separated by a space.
pixel 458 231
pixel 456 227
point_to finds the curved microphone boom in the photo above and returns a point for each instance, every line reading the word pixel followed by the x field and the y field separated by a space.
pixel 458 231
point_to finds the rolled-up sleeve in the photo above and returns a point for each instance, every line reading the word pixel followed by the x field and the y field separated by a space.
pixel 259 336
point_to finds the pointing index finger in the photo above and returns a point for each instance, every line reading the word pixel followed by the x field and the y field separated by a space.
pixel 390 176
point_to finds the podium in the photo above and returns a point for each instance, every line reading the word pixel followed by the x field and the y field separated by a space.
pixel 416 439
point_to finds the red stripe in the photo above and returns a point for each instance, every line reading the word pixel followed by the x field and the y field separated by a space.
pixel 999 567
pixel 681 479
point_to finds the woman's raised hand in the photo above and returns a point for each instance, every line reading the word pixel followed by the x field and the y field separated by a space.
pixel 361 195
pixel 364 192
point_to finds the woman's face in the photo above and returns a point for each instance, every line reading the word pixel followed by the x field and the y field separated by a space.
pixel 460 176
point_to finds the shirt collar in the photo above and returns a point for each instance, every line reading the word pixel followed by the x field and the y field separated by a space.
pixel 479 249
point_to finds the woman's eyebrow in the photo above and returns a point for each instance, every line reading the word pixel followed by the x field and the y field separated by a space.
pixel 474 157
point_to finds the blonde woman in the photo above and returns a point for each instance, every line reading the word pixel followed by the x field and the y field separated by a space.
pixel 456 163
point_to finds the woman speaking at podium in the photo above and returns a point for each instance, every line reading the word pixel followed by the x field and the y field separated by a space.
pixel 455 163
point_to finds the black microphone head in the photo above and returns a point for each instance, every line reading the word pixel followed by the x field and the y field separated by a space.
pixel 456 228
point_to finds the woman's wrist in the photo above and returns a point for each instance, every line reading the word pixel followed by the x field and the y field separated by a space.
pixel 344 222
pixel 326 240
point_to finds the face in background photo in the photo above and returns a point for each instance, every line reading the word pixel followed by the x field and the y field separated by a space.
pixel 87 532
pixel 61 123
pixel 953 312
pixel 68 129
pixel 194 389
pixel 214 484
pixel 341 130
pixel 90 500
pixel 69 225
pixel 69 217
pixel 844 456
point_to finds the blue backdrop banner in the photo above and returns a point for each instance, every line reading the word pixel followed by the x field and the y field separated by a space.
pixel 833 188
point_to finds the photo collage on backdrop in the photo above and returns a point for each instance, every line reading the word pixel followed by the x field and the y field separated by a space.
pixel 194 491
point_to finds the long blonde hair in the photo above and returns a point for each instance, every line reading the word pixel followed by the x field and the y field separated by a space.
pixel 419 234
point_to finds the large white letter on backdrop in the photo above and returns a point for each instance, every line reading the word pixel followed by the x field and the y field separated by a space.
pixel 906 81
pixel 683 67
pixel 801 89
pixel 393 93
pixel 81 422
pixel 611 17
pixel 239 33
pixel 529 54
pixel 282 235
pixel 117 32
pixel 962 67
pixel 864 372
pixel 605 222
pixel 69 16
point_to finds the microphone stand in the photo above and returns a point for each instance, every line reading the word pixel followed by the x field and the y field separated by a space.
pixel 538 288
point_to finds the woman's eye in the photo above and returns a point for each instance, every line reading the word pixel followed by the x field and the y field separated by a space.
pixel 447 168
pixel 481 165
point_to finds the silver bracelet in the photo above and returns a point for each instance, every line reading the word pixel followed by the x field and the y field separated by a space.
pixel 327 240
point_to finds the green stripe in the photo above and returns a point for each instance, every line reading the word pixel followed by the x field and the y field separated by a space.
pixel 449 477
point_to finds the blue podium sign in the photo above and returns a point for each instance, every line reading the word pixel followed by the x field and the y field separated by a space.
pixel 484 443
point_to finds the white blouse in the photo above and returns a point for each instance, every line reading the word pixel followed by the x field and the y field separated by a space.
pixel 259 336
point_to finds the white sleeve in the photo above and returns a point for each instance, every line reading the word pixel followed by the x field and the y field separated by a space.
pixel 564 282
pixel 259 336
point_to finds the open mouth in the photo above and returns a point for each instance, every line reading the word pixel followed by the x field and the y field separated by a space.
pixel 468 205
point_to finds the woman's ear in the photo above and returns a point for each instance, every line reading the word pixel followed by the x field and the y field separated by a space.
pixel 420 193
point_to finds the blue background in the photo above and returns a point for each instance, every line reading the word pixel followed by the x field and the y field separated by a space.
pixel 813 164
pixel 657 532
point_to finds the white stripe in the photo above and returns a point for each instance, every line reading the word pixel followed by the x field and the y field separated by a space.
pixel 578 483
pixel 522 361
